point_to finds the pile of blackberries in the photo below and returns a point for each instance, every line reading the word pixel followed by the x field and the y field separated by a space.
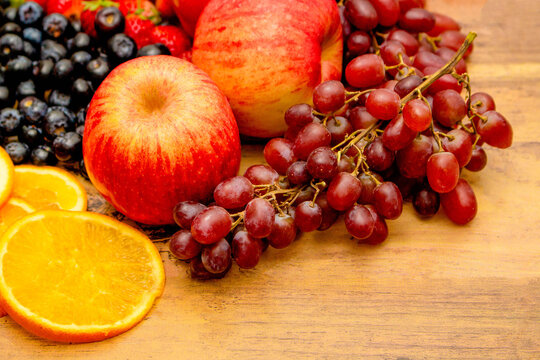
pixel 49 70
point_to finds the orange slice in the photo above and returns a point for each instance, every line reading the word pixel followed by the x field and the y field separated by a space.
pixel 47 187
pixel 12 211
pixel 6 176
pixel 77 276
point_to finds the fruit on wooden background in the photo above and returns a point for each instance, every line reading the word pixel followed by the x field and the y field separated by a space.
pixel 112 287
pixel 267 55
pixel 159 131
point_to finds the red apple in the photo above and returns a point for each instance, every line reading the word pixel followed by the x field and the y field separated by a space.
pixel 267 55
pixel 188 12
pixel 159 131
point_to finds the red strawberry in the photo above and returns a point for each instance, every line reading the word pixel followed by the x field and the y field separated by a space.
pixel 165 8
pixel 144 8
pixel 69 8
pixel 89 14
pixel 139 29
pixel 173 37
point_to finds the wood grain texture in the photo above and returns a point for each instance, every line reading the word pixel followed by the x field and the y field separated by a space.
pixel 433 290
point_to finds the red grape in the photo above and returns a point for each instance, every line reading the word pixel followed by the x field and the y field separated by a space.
pixel 309 138
pixel 442 24
pixel 448 107
pixel 234 192
pixel 388 200
pixel 412 159
pixel 417 20
pixel 339 127
pixel 261 175
pixel 322 163
pixel 380 230
pixel 185 211
pixel 329 96
pixel 343 191
pixel 397 135
pixel 345 164
pixel 183 245
pixel 259 218
pixel 390 51
pixel 359 222
pixel 405 5
pixel 478 159
pixel 283 232
pixel 408 41
pixel 378 157
pixel 199 272
pixel 453 39
pixel 383 104
pixel 308 216
pixel 212 224
pixel 460 204
pixel 460 146
pixel 329 215
pixel 216 258
pixel 278 153
pixel 426 59
pixel 496 131
pixel 426 202
pixel 361 14
pixel 246 250
pixel 482 102
pixel 299 115
pixel 368 186
pixel 442 171
pixel 406 85
pixel 365 71
pixel 417 115
pixel 360 118
pixel 387 11
pixel 358 42
pixel 297 173
pixel 447 54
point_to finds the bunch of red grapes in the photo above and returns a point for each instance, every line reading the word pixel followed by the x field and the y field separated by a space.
pixel 402 125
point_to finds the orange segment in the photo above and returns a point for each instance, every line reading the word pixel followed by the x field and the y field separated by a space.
pixel 46 187
pixel 6 176
pixel 12 211
pixel 77 276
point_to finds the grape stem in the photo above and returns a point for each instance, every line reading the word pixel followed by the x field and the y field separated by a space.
pixel 446 69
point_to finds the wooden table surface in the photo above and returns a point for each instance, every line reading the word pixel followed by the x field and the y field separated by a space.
pixel 433 290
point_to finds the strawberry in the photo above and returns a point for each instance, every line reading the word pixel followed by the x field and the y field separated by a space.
pixel 139 29
pixel 68 8
pixel 165 8
pixel 88 15
pixel 144 8
pixel 173 37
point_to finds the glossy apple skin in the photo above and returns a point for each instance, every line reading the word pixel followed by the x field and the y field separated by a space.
pixel 188 12
pixel 159 131
pixel 267 55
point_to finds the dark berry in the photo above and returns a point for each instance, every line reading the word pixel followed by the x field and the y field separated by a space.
pixel 81 41
pixel 57 122
pixel 56 26
pixel 154 49
pixel 75 24
pixel 33 110
pixel 10 121
pixel 81 116
pixel 42 72
pixel 30 14
pixel 63 71
pixel 82 169
pixel 18 69
pixel 81 92
pixel 10 28
pixel 25 88
pixel 121 48
pixel 59 98
pixel 18 152
pixel 80 59
pixel 80 130
pixel 31 135
pixel 109 21
pixel 10 14
pixel 33 36
pixel 97 69
pixel 29 50
pixel 67 146
pixel 43 155
pixel 6 97
pixel 52 50
pixel 10 45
